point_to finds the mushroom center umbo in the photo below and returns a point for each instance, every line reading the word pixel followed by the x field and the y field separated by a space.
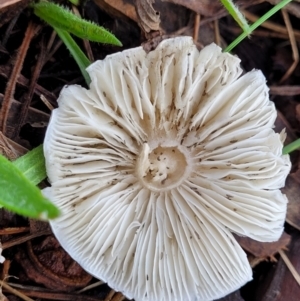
pixel 162 168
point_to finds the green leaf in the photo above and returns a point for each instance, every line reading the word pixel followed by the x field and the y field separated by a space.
pixel 80 58
pixel 19 195
pixel 32 165
pixel 62 18
pixel 236 14
pixel 295 145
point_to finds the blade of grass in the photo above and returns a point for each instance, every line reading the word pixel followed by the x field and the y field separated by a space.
pixel 261 20
pixel 32 165
pixel 236 15
pixel 291 147
pixel 80 58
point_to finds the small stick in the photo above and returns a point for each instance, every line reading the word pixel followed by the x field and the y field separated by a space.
pixel 269 24
pixel 46 102
pixel 109 296
pixel 290 266
pixel 29 94
pixel 10 88
pixel 93 285
pixel 217 32
pixel 293 45
pixel 14 230
pixel 23 239
pixel 14 291
pixel 196 28
pixel 118 297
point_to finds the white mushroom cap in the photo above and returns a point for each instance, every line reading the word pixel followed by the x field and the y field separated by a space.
pixel 154 167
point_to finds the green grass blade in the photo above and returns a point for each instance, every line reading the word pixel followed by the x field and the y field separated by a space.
pixel 236 14
pixel 82 61
pixel 19 195
pixel 32 165
pixel 62 18
pixel 261 20
pixel 291 147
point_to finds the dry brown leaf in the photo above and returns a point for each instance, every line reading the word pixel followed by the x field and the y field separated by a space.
pixel 280 285
pixel 264 249
pixel 37 226
pixel 148 17
pixel 298 112
pixel 292 191
pixel 10 149
pixel 173 18
pixel 33 116
pixel 235 296
pixel 46 262
pixel 6 148
pixel 206 8
pixel 119 8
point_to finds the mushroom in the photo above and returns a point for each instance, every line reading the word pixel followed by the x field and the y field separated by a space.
pixel 158 163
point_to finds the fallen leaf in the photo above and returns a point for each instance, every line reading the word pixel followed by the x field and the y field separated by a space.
pixel 119 8
pixel 279 284
pixel 34 115
pixel 292 191
pixel 37 226
pixel 46 262
pixel 235 296
pixel 206 8
pixel 298 112
pixel 172 17
pixel 263 249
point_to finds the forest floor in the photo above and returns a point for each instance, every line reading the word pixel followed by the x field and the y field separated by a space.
pixel 34 67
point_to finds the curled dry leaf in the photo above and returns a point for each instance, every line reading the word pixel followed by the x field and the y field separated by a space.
pixel 148 17
pixel 47 263
pixel 172 17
